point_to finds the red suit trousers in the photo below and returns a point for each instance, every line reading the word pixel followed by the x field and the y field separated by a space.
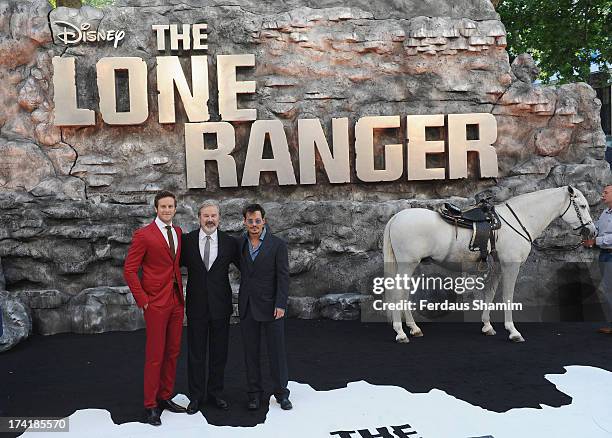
pixel 164 327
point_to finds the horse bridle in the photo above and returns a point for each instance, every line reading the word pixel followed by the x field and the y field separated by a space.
pixel 572 201
pixel 527 236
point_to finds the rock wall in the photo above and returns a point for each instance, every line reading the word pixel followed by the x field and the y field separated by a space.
pixel 71 197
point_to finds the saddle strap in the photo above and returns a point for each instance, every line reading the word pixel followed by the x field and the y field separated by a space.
pixel 493 238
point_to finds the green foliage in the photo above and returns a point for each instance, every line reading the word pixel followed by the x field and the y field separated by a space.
pixel 99 3
pixel 565 37
pixel 94 3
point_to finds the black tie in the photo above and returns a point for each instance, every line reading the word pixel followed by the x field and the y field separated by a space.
pixel 170 240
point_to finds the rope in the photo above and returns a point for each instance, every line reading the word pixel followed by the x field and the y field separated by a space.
pixel 557 247
pixel 531 241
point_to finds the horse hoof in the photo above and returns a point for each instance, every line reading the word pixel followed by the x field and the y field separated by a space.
pixel 418 334
pixel 402 339
pixel 518 338
pixel 490 332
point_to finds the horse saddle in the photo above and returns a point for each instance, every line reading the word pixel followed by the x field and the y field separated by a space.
pixel 481 219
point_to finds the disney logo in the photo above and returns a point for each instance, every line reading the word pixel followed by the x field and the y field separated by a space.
pixel 72 35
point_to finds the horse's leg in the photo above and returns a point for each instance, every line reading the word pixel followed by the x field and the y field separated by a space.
pixel 396 316
pixel 408 269
pixel 415 330
pixel 510 273
pixel 487 328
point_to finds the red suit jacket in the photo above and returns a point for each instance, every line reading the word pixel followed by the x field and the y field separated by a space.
pixel 150 250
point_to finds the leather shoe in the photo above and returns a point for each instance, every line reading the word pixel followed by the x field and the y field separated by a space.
pixel 219 403
pixel 285 404
pixel 194 407
pixel 254 404
pixel 152 416
pixel 605 330
pixel 170 406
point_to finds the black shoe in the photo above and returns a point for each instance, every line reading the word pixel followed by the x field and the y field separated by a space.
pixel 170 406
pixel 285 404
pixel 194 407
pixel 219 403
pixel 152 415
pixel 254 404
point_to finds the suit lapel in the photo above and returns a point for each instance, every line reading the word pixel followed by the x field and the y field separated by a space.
pixel 263 248
pixel 160 239
pixel 195 242
pixel 178 243
pixel 193 245
pixel 244 253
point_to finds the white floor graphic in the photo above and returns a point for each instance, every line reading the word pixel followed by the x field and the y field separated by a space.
pixel 365 410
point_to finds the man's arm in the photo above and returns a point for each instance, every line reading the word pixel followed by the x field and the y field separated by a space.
pixel 183 257
pixel 604 240
pixel 282 276
pixel 132 264
pixel 236 251
pixel 590 243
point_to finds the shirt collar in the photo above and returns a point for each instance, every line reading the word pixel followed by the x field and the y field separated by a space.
pixel 213 236
pixel 161 224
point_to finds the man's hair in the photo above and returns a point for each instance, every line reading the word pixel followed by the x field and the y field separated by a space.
pixel 209 203
pixel 252 208
pixel 164 194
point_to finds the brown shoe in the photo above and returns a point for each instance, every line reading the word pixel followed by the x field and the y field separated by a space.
pixel 605 330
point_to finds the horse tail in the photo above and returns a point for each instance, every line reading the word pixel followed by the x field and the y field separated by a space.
pixel 390 269
pixel 389 260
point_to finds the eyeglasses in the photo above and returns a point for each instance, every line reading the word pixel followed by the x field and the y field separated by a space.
pixel 254 221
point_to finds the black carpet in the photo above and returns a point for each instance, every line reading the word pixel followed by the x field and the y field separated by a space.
pixel 57 375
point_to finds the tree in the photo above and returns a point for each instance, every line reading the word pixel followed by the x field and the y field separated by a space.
pixel 565 37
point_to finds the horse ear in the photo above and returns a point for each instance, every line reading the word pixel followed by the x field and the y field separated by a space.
pixel 570 189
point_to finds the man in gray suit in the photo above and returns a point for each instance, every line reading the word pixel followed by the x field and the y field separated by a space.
pixel 264 288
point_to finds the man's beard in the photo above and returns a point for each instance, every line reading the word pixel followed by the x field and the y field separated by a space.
pixel 209 228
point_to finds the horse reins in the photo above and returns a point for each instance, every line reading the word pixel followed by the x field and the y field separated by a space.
pixel 528 238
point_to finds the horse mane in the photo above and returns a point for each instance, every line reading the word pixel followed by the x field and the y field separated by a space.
pixel 528 196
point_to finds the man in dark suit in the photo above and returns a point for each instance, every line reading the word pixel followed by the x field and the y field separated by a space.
pixel 207 253
pixel 264 289
pixel 156 249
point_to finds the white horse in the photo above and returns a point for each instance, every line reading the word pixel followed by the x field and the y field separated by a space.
pixel 414 234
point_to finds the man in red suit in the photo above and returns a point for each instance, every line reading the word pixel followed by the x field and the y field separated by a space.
pixel 156 249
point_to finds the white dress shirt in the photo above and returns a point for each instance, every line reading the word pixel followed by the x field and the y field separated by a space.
pixel 162 227
pixel 214 246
